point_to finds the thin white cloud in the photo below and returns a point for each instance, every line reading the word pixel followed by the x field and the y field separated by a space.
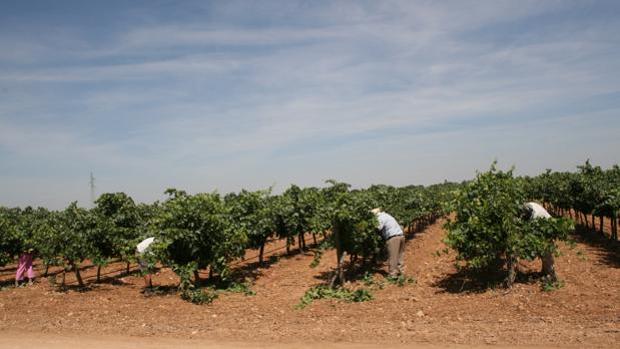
pixel 189 65
pixel 176 36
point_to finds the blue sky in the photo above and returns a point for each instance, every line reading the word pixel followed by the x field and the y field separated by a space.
pixel 206 95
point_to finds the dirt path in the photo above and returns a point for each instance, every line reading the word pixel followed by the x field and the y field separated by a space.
pixel 444 307
pixel 20 340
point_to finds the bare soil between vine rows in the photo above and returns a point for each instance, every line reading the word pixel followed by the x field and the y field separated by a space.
pixel 443 308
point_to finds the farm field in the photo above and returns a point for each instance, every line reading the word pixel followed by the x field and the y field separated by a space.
pixel 309 174
pixel 443 306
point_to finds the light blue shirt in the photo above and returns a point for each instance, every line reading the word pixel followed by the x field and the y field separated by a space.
pixel 388 226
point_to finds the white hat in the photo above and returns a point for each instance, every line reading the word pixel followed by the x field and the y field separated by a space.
pixel 376 210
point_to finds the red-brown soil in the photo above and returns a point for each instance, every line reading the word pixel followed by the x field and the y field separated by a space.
pixel 442 307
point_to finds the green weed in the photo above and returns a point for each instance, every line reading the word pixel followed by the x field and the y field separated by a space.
pixel 582 256
pixel 199 296
pixel 548 285
pixel 240 287
pixel 325 292
pixel 400 280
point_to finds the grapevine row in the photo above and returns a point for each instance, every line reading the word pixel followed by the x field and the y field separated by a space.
pixel 208 230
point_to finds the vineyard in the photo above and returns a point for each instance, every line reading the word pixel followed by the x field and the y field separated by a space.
pixel 248 247
pixel 207 231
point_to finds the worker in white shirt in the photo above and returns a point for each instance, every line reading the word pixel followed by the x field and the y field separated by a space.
pixel 394 239
pixel 141 250
pixel 533 211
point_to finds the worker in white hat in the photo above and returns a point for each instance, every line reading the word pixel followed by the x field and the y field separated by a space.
pixel 533 210
pixel 394 238
pixel 141 252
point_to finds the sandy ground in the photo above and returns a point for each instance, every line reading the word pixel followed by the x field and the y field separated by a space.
pixel 22 340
